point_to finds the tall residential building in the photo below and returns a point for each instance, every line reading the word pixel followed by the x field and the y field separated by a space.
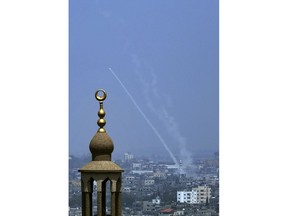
pixel 200 194
pixel 187 196
pixel 203 194
pixel 128 156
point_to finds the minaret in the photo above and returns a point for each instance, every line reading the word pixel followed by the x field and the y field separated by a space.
pixel 102 170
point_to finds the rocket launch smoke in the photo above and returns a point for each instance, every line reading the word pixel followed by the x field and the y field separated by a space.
pixel 146 119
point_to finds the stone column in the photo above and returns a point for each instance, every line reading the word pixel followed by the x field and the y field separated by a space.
pixel 118 198
pixel 113 197
pixel 113 204
pixel 87 189
pixel 101 198
pixel 86 204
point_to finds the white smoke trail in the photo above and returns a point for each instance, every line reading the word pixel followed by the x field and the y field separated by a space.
pixel 168 120
pixel 146 119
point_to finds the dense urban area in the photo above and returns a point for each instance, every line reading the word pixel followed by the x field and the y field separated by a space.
pixel 153 186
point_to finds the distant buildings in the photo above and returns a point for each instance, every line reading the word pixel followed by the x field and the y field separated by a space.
pixel 128 156
pixel 161 175
pixel 148 206
pixel 149 182
pixel 154 188
pixel 203 194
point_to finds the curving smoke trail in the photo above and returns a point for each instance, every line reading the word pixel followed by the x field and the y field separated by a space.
pixel 146 119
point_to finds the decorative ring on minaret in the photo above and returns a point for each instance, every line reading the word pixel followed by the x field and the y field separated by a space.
pixel 100 98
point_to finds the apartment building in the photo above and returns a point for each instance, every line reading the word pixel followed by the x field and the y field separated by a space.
pixel 187 196
pixel 199 194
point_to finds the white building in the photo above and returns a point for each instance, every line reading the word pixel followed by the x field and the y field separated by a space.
pixel 128 156
pixel 149 182
pixel 129 178
pixel 187 196
pixel 136 166
pixel 159 174
pixel 156 201
pixel 201 194
pixel 178 212
pixel 126 189
pixel 141 172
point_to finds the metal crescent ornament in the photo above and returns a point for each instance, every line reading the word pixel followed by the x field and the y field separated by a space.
pixel 100 98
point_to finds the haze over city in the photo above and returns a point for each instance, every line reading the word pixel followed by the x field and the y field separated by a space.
pixel 166 56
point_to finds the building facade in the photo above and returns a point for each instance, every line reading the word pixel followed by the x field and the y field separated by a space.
pixel 128 156
pixel 203 194
pixel 187 196
pixel 200 194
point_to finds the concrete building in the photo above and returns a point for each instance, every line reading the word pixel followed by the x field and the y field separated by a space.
pixel 126 189
pixel 187 196
pixel 203 194
pixel 156 201
pixel 161 175
pixel 136 166
pixel 149 182
pixel 128 156
pixel 141 172
pixel 178 212
pixel 200 194
pixel 148 206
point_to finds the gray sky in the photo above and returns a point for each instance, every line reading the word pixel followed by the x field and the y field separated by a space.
pixel 166 55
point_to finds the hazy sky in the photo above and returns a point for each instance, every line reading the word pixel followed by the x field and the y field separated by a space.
pixel 166 54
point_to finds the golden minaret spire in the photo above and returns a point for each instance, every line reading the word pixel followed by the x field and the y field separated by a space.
pixel 101 113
